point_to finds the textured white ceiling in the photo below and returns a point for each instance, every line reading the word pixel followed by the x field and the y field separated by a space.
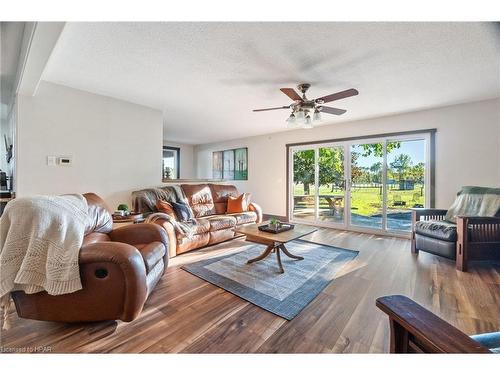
pixel 207 77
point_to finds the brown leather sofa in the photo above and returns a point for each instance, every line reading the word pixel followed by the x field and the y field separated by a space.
pixel 209 204
pixel 118 269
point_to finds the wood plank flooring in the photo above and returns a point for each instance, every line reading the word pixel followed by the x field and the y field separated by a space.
pixel 188 315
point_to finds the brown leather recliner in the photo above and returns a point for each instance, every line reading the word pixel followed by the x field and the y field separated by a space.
pixel 118 269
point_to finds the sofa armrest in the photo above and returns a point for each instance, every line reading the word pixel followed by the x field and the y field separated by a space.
pixel 257 209
pixel 143 233
pixel 478 229
pixel 131 263
pixel 165 221
pixel 416 329
pixel 480 219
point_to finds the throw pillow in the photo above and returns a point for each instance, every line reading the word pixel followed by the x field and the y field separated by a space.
pixel 239 204
pixel 182 211
pixel 166 207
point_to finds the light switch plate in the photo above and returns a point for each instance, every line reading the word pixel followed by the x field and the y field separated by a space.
pixel 51 161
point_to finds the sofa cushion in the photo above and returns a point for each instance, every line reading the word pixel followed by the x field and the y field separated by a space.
pixel 220 193
pixel 441 230
pixel 199 226
pixel 218 222
pixel 182 211
pixel 152 253
pixel 245 217
pixel 435 246
pixel 200 199
pixel 239 204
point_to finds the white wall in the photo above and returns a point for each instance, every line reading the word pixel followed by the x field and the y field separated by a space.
pixel 187 159
pixel 467 150
pixel 116 146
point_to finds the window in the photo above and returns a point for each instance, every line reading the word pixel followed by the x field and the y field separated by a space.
pixel 171 163
pixel 363 182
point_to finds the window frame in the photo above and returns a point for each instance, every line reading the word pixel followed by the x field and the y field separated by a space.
pixel 177 151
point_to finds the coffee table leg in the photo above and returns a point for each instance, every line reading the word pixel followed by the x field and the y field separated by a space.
pixel 263 255
pixel 288 254
pixel 278 257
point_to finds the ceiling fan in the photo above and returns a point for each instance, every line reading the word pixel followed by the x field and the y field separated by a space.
pixel 302 108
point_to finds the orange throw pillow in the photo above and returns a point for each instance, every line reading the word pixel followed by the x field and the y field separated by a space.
pixel 166 208
pixel 239 204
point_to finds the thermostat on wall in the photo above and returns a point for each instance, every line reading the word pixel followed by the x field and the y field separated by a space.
pixel 65 160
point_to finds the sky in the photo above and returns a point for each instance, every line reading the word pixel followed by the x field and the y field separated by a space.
pixel 416 150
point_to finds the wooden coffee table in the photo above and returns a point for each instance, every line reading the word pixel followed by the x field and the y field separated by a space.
pixel 275 242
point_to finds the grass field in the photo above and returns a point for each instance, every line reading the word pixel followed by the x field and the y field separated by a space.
pixel 368 201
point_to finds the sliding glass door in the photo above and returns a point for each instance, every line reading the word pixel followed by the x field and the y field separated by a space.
pixel 304 185
pixel 331 180
pixel 318 187
pixel 406 169
pixel 370 185
pixel 366 187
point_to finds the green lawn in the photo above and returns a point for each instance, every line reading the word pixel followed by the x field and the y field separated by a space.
pixel 368 201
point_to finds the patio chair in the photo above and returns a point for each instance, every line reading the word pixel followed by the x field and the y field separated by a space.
pixel 472 237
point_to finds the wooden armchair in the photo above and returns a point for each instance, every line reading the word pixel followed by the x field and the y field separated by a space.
pixel 415 329
pixel 472 238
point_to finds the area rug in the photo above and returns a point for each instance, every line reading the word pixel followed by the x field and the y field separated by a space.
pixel 260 283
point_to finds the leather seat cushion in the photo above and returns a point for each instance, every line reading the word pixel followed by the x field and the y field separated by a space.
pixel 218 222
pixel 489 340
pixel 200 226
pixel 245 217
pixel 152 253
pixel 434 246
pixel 441 230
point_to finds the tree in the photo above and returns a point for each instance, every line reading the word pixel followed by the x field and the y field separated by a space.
pixel 331 168
pixel 377 148
pixel 417 172
pixel 401 164
pixel 303 168
pixel 376 169
pixel 356 171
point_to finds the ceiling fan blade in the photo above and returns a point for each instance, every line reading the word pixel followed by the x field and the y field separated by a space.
pixel 338 95
pixel 271 109
pixel 291 93
pixel 333 111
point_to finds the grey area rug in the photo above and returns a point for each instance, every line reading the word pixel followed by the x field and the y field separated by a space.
pixel 261 284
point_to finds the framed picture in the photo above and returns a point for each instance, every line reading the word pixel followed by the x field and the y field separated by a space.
pixel 241 164
pixel 217 163
pixel 228 169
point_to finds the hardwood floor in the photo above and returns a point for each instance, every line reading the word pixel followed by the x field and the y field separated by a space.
pixel 188 315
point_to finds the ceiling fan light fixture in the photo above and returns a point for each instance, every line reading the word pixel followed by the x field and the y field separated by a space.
pixel 316 115
pixel 306 111
pixel 308 122
pixel 291 119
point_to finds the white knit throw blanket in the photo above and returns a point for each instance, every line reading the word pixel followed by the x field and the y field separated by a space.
pixel 40 240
